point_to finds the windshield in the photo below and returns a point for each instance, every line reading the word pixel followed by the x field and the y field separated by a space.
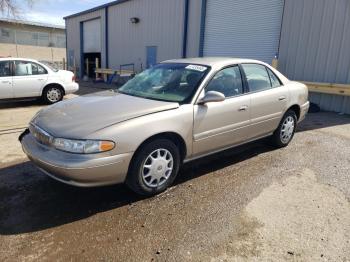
pixel 166 82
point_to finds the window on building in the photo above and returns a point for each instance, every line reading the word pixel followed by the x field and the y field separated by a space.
pixel 228 82
pixel 61 41
pixel 5 33
pixel 7 36
pixel 43 39
pixel 26 38
pixel 257 77
pixel 33 38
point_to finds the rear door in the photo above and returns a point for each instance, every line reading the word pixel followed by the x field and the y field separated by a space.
pixel 222 124
pixel 268 99
pixel 29 79
pixel 6 90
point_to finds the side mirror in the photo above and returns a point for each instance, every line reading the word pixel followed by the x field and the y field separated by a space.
pixel 212 96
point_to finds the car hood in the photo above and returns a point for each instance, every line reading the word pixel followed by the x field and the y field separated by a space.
pixel 78 117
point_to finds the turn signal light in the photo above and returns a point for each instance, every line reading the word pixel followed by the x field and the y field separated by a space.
pixel 106 146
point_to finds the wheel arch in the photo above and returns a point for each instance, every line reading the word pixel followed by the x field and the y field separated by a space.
pixel 53 84
pixel 172 136
pixel 296 108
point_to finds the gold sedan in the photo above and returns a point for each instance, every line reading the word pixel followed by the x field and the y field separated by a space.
pixel 172 113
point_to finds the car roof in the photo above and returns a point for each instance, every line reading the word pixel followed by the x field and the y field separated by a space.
pixel 217 63
pixel 16 58
pixel 213 61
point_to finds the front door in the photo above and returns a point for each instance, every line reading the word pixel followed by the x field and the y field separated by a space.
pixel 268 99
pixel 151 56
pixel 29 79
pixel 222 124
pixel 6 90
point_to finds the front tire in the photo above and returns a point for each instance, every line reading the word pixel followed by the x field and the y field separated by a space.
pixel 286 129
pixel 52 94
pixel 154 167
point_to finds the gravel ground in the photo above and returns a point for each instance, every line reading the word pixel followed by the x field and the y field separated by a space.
pixel 252 203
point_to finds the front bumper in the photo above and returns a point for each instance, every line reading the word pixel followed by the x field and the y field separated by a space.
pixel 75 169
pixel 303 111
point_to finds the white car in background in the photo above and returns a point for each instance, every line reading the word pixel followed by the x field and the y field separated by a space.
pixel 26 78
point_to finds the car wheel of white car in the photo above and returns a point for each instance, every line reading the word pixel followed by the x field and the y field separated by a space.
pixel 286 129
pixel 52 94
pixel 154 167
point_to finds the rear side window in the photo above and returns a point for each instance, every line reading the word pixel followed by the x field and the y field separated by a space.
pixel 5 69
pixel 24 68
pixel 275 82
pixel 257 77
pixel 38 70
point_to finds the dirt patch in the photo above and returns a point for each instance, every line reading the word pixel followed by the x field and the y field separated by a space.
pixel 298 219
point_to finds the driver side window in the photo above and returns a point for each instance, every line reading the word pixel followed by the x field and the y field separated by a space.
pixel 228 81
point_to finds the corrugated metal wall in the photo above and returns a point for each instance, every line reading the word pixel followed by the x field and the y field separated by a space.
pixel 161 24
pixel 315 46
pixel 243 28
pixel 194 24
pixel 73 35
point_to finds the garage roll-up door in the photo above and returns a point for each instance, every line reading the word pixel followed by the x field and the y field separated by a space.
pixel 243 28
pixel 92 36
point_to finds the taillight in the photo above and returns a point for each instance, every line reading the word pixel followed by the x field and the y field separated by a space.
pixel 73 78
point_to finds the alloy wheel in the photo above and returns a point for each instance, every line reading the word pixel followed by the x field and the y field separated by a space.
pixel 287 129
pixel 157 168
pixel 54 94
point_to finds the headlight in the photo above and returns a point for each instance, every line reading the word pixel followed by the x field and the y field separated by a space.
pixel 82 146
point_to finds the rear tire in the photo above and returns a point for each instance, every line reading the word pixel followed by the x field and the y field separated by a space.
pixel 52 94
pixel 154 167
pixel 285 131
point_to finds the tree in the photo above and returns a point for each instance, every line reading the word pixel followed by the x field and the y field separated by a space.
pixel 11 7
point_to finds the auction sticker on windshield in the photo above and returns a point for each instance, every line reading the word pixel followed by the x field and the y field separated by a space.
pixel 196 68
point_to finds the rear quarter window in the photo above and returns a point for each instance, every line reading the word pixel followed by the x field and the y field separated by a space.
pixel 257 77
pixel 275 82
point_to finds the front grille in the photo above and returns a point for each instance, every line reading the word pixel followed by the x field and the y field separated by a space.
pixel 41 135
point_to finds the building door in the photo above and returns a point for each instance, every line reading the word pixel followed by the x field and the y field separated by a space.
pixel 243 28
pixel 92 46
pixel 151 56
pixel 90 63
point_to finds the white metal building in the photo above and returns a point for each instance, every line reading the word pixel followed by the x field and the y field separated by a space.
pixel 143 32
pixel 307 35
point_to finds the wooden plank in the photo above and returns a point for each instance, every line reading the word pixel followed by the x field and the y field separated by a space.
pixel 328 88
pixel 105 71
pixel 125 72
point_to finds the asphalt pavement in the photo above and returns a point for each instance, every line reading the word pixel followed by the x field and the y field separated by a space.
pixel 252 203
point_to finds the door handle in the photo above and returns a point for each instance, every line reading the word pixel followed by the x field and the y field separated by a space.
pixel 40 79
pixel 281 98
pixel 243 108
pixel 5 82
